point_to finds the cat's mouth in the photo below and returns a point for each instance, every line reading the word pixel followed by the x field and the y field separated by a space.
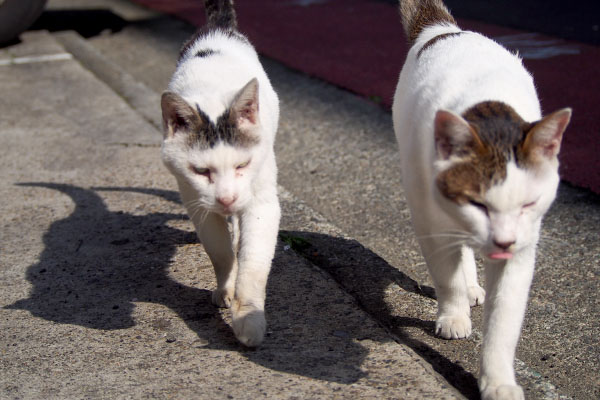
pixel 500 255
pixel 500 250
pixel 227 211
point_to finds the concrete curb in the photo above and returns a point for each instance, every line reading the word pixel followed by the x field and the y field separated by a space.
pixel 144 100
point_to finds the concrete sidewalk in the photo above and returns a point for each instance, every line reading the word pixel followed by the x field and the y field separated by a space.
pixel 104 292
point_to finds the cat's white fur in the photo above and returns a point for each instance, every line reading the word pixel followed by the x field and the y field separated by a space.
pixel 236 211
pixel 448 76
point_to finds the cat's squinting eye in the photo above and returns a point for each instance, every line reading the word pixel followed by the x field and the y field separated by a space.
pixel 201 171
pixel 529 205
pixel 243 165
pixel 479 205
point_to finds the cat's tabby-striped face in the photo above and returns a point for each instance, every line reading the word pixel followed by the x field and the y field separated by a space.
pixel 498 173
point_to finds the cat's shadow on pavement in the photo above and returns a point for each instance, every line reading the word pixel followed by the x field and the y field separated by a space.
pixel 367 277
pixel 97 263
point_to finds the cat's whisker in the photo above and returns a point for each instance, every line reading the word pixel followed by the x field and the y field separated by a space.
pixel 198 209
pixel 443 235
pixel 447 254
pixel 448 246
pixel 193 203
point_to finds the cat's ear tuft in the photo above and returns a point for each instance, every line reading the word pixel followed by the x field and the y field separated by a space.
pixel 244 109
pixel 178 115
pixel 453 135
pixel 545 136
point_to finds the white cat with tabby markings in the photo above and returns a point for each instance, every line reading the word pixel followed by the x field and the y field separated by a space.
pixel 480 169
pixel 220 116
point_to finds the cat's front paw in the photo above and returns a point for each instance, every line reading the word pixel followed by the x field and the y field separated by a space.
pixel 476 295
pixel 222 297
pixel 249 325
pixel 503 392
pixel 453 326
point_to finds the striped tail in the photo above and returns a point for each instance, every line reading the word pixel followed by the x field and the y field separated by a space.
pixel 220 14
pixel 419 14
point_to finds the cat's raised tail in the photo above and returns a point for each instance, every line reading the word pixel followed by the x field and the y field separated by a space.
pixel 220 14
pixel 419 14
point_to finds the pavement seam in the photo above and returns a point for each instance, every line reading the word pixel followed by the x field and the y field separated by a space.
pixel 36 59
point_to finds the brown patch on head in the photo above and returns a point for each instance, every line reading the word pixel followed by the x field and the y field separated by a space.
pixel 465 181
pixel 500 134
pixel 417 15
pixel 480 169
pixel 497 124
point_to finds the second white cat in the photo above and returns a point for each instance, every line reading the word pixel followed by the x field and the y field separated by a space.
pixel 480 169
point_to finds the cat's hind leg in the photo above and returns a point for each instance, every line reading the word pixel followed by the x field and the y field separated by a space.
pixel 474 291
pixel 444 260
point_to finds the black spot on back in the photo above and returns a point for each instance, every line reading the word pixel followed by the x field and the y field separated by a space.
pixel 436 39
pixel 206 31
pixel 206 53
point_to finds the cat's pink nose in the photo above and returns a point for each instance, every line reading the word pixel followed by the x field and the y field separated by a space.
pixel 227 201
pixel 504 245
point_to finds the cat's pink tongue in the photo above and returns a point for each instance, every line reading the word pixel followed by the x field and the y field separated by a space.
pixel 501 255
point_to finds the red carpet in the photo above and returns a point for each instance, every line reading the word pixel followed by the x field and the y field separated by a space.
pixel 359 45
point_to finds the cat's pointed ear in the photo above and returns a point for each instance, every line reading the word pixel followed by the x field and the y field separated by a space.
pixel 544 137
pixel 453 135
pixel 178 115
pixel 244 109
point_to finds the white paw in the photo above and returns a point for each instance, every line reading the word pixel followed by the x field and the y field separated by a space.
pixel 222 297
pixel 476 295
pixel 503 392
pixel 249 325
pixel 453 326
